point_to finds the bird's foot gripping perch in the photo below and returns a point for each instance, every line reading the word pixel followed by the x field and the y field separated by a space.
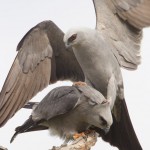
pixel 79 83
pixel 78 135
pixel 84 134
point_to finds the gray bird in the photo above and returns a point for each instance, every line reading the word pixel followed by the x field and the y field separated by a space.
pixel 68 110
pixel 102 71
pixel 42 59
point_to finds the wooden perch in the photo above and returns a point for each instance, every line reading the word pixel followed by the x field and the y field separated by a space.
pixel 80 143
pixel 3 148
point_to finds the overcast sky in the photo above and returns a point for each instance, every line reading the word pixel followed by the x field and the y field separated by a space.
pixel 17 17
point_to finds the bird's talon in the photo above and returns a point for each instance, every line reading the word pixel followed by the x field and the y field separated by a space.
pixel 88 132
pixel 77 135
pixel 79 83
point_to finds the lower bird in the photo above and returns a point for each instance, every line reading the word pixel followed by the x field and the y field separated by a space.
pixel 68 110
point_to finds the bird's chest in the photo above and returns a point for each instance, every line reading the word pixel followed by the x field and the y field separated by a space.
pixel 98 73
pixel 67 124
pixel 98 66
pixel 98 83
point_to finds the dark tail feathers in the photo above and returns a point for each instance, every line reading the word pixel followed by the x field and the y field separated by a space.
pixel 21 129
pixel 122 134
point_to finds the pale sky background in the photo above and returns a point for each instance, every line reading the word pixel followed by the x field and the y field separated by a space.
pixel 17 17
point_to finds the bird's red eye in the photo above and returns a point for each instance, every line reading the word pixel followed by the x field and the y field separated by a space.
pixel 72 38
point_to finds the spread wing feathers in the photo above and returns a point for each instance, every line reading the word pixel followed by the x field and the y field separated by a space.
pixel 136 12
pixel 121 134
pixel 30 73
pixel 121 22
pixel 41 59
pixel 59 101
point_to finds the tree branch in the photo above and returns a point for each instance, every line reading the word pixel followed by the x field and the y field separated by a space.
pixel 3 148
pixel 80 143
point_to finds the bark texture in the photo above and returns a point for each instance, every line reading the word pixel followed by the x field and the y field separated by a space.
pixel 81 143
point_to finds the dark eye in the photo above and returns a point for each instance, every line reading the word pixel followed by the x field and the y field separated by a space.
pixel 104 122
pixel 72 38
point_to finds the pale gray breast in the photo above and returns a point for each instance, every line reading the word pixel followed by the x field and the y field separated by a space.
pixel 69 123
pixel 97 60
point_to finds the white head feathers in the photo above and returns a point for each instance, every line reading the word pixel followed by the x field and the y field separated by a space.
pixel 76 35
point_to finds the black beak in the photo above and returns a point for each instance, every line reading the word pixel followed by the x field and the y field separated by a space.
pixel 100 131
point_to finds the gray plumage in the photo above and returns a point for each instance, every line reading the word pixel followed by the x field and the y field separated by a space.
pixel 42 58
pixel 121 23
pixel 68 110
pixel 102 71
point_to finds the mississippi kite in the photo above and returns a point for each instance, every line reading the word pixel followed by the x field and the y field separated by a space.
pixel 68 110
pixel 102 71
pixel 100 54
pixel 42 59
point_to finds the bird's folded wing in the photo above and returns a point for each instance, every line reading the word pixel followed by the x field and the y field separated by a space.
pixel 57 102
pixel 120 22
pixel 91 93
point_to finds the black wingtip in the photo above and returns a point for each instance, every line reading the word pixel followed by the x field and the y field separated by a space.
pixel 121 134
pixel 23 128
pixel 14 136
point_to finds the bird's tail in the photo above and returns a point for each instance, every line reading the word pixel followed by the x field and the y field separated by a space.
pixel 21 129
pixel 28 126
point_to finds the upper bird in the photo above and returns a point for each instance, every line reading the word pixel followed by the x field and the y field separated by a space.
pixel 42 58
pixel 102 71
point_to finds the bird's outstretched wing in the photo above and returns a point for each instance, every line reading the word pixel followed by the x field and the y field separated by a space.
pixel 121 22
pixel 42 59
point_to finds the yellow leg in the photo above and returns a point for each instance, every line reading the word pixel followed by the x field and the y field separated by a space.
pixel 78 135
pixel 79 83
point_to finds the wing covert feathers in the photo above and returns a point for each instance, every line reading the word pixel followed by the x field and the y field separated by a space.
pixel 120 23
pixel 29 74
